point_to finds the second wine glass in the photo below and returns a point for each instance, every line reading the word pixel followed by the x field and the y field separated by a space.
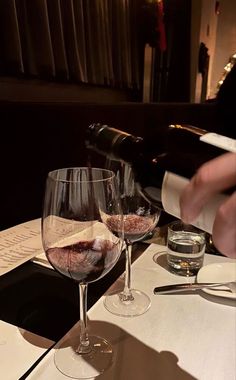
pixel 140 219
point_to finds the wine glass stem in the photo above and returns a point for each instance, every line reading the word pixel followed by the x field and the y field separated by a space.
pixel 126 295
pixel 84 346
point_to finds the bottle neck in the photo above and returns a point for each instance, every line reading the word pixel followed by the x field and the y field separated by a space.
pixel 113 143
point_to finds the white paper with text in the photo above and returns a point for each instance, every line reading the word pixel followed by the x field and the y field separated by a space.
pixel 19 244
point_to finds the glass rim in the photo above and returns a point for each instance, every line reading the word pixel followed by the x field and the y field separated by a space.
pixel 185 226
pixel 53 174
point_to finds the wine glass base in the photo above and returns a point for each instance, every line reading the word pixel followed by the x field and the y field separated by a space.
pixel 138 306
pixel 83 366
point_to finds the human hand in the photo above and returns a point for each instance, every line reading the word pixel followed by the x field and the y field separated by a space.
pixel 213 177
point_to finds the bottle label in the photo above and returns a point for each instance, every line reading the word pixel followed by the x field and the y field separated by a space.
pixel 220 141
pixel 172 188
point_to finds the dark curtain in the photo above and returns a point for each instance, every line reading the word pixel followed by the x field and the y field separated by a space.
pixel 88 41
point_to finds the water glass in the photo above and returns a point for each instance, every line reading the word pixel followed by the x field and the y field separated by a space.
pixel 185 248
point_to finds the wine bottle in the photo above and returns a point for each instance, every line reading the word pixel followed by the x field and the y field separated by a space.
pixel 162 170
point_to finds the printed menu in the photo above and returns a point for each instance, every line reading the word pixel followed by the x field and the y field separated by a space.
pixel 19 244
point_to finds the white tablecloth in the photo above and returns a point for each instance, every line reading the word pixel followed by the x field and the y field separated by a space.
pixel 181 337
pixel 19 349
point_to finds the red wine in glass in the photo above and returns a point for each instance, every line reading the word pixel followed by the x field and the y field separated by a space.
pixel 85 261
pixel 139 219
pixel 79 245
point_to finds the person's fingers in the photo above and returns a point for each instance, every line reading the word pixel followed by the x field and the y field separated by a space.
pixel 224 228
pixel 212 177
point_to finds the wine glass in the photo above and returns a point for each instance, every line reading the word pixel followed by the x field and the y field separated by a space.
pixel 140 218
pixel 79 245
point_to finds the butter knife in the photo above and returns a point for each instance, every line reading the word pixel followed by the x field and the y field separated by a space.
pixel 174 288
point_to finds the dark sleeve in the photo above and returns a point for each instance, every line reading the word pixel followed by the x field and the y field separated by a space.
pixel 226 100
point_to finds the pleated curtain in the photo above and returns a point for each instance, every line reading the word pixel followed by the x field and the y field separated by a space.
pixel 87 41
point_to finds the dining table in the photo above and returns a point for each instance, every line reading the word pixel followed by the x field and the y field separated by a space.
pixel 183 336
pixel 19 350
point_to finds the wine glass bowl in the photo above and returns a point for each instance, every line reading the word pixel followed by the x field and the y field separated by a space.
pixel 137 224
pixel 84 261
pixel 139 219
pixel 79 244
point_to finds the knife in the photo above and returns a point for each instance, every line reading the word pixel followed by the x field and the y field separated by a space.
pixel 174 288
